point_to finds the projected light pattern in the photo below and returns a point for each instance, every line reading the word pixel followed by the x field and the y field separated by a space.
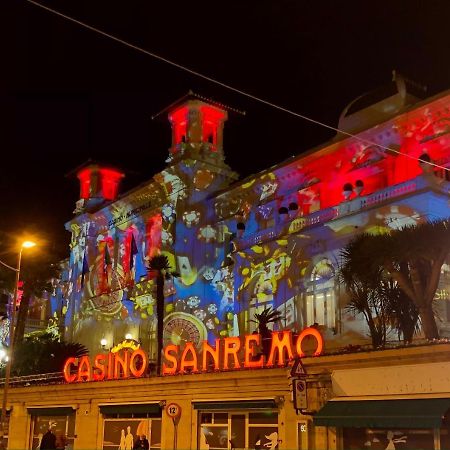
pixel 270 241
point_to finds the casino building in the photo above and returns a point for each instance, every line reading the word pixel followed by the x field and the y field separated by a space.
pixel 240 247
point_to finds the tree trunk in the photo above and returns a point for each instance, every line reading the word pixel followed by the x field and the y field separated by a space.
pixel 429 326
pixel 266 340
pixel 160 317
pixel 22 316
pixel 375 335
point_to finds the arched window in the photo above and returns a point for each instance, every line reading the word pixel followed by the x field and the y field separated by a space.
pixel 320 295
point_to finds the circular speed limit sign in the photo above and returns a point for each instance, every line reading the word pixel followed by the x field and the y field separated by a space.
pixel 173 410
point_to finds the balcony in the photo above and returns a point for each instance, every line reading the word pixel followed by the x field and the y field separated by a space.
pixel 358 204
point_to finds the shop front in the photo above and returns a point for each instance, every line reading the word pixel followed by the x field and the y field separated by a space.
pixel 61 420
pixel 389 424
pixel 237 424
pixel 387 400
pixel 123 425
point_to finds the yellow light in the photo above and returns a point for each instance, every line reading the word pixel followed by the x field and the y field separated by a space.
pixel 28 244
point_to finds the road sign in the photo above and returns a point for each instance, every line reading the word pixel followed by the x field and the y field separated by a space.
pixel 173 410
pixel 300 394
pixel 298 369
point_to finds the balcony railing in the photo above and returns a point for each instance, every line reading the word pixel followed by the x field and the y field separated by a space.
pixel 296 224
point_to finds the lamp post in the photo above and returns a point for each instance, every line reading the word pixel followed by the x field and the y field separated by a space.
pixel 9 361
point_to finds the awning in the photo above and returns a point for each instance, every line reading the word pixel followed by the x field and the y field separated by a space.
pixel 51 411
pixel 233 405
pixel 414 413
pixel 130 408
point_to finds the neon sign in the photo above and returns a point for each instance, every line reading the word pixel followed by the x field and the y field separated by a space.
pixel 111 366
pixel 226 354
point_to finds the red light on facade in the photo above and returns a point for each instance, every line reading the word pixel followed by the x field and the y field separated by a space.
pixel 85 182
pixel 123 365
pixel 170 355
pixel 309 332
pixel 212 118
pixel 110 183
pixel 249 361
pixel 111 366
pixel 178 118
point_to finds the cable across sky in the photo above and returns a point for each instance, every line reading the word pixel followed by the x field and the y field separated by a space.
pixel 229 87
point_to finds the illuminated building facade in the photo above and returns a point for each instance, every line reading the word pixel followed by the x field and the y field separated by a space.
pixel 240 247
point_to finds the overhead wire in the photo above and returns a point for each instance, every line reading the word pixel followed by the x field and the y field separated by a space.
pixel 229 87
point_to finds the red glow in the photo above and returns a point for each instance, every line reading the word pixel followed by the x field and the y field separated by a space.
pixel 153 231
pixel 110 183
pixel 85 182
pixel 178 118
pixel 212 117
pixel 104 270
pixel 111 366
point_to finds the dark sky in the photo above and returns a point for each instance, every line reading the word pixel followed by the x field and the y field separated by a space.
pixel 67 94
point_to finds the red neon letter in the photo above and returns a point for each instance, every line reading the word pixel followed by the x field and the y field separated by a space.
pixel 69 378
pixel 231 347
pixel 110 366
pixel 189 362
pixel 135 371
pixel 279 346
pixel 170 370
pixel 84 369
pixel 309 332
pixel 249 363
pixel 121 363
pixel 213 353
pixel 99 371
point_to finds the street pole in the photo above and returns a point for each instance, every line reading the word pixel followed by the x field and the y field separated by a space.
pixel 11 353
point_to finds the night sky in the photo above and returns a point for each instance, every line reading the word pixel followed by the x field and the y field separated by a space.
pixel 68 94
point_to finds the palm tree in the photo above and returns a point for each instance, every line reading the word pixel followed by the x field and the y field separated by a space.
pixel 262 319
pixel 365 295
pixel 412 257
pixel 160 264
pixel 402 313
pixel 36 274
pixel 43 353
pixel 415 261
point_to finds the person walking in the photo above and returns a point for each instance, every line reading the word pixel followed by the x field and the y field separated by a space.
pixel 48 441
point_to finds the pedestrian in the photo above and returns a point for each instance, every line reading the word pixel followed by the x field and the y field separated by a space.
pixel 141 443
pixel 48 441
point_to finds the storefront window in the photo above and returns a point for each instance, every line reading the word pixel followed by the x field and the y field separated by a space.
pixel 388 439
pixel 239 430
pixel 62 427
pixel 121 433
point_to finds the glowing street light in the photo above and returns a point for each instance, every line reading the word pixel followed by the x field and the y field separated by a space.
pixel 9 358
pixel 28 244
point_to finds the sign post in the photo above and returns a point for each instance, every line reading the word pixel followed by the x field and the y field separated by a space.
pixel 300 394
pixel 173 410
pixel 299 386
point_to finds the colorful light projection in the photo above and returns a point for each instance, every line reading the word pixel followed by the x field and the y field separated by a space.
pixel 272 241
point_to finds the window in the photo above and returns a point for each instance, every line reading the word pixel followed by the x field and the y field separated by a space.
pixel 364 438
pixel 320 305
pixel 63 427
pixel 238 430
pixel 121 431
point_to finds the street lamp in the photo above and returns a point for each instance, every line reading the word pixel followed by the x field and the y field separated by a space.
pixel 9 360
